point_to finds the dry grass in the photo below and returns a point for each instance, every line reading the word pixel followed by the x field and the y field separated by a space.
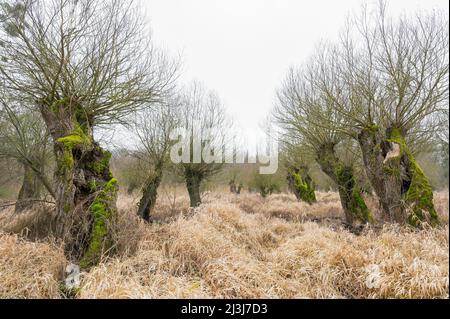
pixel 441 205
pixel 29 270
pixel 33 224
pixel 246 247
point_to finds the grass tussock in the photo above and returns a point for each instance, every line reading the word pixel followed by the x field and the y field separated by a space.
pixel 246 247
pixel 29 270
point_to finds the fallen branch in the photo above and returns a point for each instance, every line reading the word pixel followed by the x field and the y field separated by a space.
pixel 27 200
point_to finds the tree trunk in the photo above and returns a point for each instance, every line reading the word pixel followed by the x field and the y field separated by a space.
pixel 85 190
pixel 30 190
pixel 233 188
pixel 44 180
pixel 149 194
pixel 193 182
pixel 353 204
pixel 301 184
pixel 404 192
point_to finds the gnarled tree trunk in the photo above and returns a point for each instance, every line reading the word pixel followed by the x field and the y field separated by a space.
pixel 85 189
pixel 149 194
pixel 301 184
pixel 404 192
pixel 353 204
pixel 30 190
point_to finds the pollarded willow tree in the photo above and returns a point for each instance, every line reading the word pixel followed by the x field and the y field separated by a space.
pixel 300 112
pixel 296 161
pixel 395 76
pixel 81 64
pixel 205 125
pixel 153 127
pixel 25 139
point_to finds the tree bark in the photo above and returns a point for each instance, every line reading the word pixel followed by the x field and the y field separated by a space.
pixel 301 184
pixel 85 190
pixel 353 204
pixel 149 194
pixel 404 192
pixel 30 190
pixel 193 181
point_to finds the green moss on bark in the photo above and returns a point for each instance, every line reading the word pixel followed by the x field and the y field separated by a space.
pixel 353 203
pixel 77 139
pixel 103 164
pixel 102 213
pixel 57 105
pixel 92 185
pixel 419 196
pixel 354 199
pixel 304 189
pixel 359 208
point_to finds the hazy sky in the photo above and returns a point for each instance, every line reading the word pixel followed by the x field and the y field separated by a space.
pixel 243 48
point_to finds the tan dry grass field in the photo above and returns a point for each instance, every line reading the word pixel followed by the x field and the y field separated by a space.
pixel 237 247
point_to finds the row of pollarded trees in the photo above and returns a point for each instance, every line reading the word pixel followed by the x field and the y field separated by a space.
pixel 77 65
pixel 377 94
pixel 196 111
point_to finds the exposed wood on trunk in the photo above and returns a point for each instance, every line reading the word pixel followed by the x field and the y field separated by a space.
pixel 404 192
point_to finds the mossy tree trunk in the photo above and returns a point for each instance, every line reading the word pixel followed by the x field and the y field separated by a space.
pixel 353 204
pixel 193 182
pixel 301 184
pixel 150 193
pixel 29 191
pixel 404 192
pixel 85 189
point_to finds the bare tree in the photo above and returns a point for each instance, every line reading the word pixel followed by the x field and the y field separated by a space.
pixel 81 64
pixel 442 135
pixel 203 117
pixel 153 127
pixel 24 138
pixel 309 118
pixel 395 82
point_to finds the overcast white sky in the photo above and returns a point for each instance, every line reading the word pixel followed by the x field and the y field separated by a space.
pixel 243 48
